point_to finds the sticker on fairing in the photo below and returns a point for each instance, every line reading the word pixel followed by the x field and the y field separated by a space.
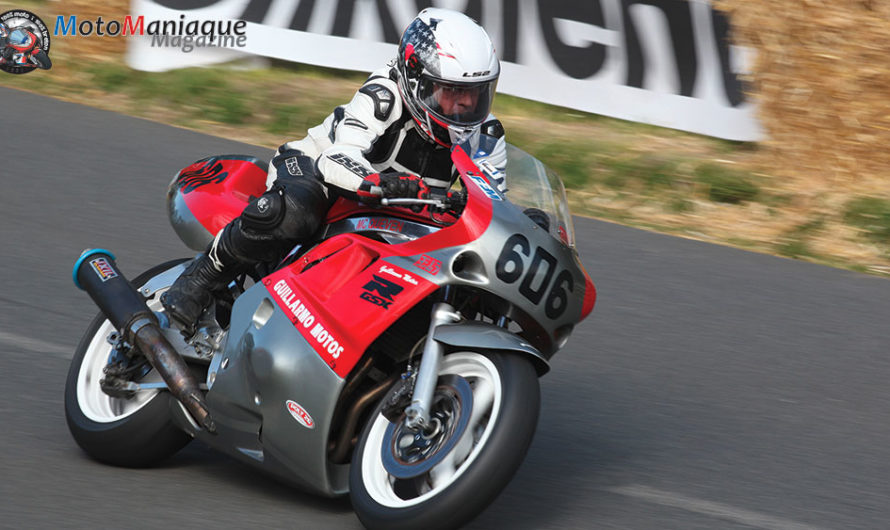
pixel 300 414
pixel 489 169
pixel 485 187
pixel 103 269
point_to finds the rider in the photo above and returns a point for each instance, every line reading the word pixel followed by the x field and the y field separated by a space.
pixel 17 45
pixel 5 51
pixel 400 124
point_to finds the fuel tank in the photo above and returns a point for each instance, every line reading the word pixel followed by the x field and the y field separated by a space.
pixel 203 197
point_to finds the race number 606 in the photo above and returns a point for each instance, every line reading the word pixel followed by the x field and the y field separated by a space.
pixel 511 266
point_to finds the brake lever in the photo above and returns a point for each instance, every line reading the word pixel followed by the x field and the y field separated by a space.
pixel 412 202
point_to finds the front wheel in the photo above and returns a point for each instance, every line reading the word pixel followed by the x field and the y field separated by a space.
pixel 134 432
pixel 485 410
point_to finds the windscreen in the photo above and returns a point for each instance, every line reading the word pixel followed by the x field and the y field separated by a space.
pixel 539 191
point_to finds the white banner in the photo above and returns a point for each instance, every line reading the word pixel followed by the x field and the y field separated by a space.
pixel 663 62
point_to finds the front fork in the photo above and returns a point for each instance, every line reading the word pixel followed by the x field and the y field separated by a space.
pixel 418 412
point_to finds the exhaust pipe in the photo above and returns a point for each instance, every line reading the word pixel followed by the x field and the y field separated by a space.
pixel 97 273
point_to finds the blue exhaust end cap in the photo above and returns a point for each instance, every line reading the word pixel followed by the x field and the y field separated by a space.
pixel 88 253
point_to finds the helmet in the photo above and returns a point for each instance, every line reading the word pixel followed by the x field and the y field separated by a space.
pixel 447 75
pixel 22 39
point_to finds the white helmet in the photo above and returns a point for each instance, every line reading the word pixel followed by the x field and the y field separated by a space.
pixel 448 72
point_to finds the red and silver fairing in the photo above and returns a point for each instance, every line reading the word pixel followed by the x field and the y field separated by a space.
pixel 205 196
pixel 307 327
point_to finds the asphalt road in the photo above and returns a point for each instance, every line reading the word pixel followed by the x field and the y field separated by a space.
pixel 710 388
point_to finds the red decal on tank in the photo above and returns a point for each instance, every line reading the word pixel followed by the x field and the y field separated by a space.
pixel 216 190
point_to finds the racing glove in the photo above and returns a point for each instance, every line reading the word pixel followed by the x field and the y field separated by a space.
pixel 292 163
pixel 392 184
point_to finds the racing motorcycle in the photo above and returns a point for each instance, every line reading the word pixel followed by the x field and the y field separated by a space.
pixel 22 48
pixel 396 359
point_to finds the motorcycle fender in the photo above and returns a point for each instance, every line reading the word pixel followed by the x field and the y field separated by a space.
pixel 481 335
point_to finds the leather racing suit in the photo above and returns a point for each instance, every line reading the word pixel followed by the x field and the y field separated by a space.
pixel 373 133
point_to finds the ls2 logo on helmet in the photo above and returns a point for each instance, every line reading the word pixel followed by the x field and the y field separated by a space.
pixel 24 42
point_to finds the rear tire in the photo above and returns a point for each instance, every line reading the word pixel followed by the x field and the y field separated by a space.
pixel 465 477
pixel 137 432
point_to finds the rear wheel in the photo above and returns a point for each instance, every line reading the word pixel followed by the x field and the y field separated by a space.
pixel 485 411
pixel 132 432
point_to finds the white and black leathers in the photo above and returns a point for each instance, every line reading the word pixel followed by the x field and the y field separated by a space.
pixel 375 133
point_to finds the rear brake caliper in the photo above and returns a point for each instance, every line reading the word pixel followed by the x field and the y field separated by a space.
pixel 125 365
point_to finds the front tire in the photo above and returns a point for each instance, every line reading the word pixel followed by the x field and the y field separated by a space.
pixel 450 480
pixel 42 60
pixel 136 432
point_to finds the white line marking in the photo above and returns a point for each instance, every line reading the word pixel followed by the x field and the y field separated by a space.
pixel 714 509
pixel 35 345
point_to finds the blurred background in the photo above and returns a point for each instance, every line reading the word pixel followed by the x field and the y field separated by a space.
pixel 813 75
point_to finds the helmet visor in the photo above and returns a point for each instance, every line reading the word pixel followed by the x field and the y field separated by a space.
pixel 19 37
pixel 460 104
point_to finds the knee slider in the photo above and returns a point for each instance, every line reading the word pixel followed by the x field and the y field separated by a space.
pixel 265 213
pixel 299 222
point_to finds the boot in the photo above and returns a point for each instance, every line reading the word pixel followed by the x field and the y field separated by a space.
pixel 191 293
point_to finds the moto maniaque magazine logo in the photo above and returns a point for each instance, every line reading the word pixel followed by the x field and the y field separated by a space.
pixel 24 42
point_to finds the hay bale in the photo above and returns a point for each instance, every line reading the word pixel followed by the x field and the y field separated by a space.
pixel 822 81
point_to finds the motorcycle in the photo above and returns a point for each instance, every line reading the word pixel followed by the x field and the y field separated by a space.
pixel 396 359
pixel 23 49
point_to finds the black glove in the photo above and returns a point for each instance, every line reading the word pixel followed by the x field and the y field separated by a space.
pixel 292 163
pixel 392 185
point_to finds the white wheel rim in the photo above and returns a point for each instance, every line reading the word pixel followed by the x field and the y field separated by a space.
pixel 487 394
pixel 96 404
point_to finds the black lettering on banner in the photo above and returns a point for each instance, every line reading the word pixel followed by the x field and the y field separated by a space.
pixel 526 288
pixel 579 63
pixel 679 17
pixel 343 18
pixel 256 10
pixel 732 85
pixel 510 30
pixel 300 22
pixel 510 266
pixel 186 5
pixel 391 34
pixel 385 291
pixel 345 13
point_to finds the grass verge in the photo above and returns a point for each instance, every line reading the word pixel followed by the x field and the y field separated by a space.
pixel 655 178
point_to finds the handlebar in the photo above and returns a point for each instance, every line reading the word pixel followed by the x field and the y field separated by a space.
pixel 439 200
pixel 411 202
